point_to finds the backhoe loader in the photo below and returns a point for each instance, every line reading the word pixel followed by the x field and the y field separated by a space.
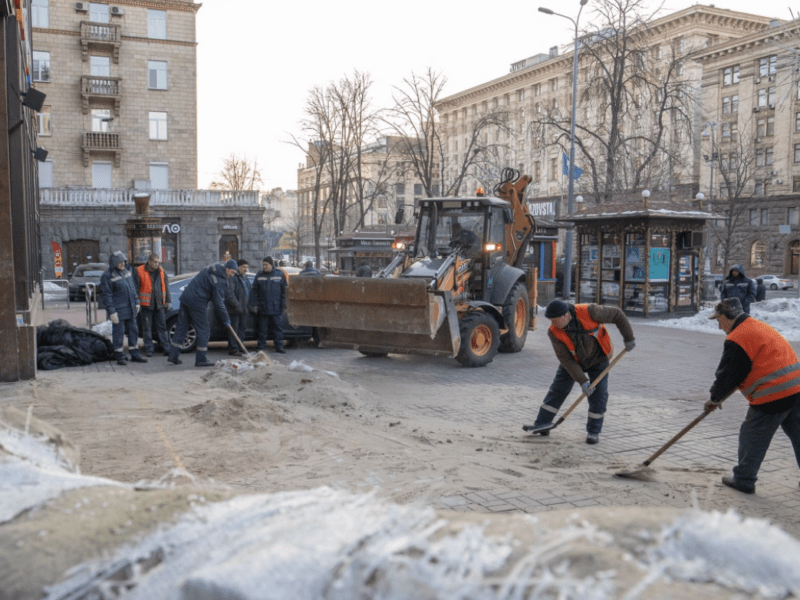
pixel 459 290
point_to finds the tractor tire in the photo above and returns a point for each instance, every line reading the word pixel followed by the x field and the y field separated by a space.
pixel 515 315
pixel 480 338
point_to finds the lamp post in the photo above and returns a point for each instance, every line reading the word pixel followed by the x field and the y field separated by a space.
pixel 567 288
pixel 709 133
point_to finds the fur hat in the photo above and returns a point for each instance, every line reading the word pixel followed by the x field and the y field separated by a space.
pixel 730 308
pixel 555 309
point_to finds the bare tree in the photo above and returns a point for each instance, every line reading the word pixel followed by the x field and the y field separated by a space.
pixel 414 119
pixel 238 173
pixel 640 107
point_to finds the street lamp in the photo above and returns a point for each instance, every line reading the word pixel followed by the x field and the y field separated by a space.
pixel 567 288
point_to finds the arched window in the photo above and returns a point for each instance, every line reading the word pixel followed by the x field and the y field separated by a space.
pixel 758 252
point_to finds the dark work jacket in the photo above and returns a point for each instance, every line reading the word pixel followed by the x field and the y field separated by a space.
pixel 733 369
pixel 364 271
pixel 587 347
pixel 209 285
pixel 117 289
pixel 740 287
pixel 269 292
pixel 236 297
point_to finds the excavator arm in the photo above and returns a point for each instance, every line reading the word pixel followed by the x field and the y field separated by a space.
pixel 521 230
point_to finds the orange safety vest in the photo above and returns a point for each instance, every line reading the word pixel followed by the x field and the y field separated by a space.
pixel 775 373
pixel 592 327
pixel 146 286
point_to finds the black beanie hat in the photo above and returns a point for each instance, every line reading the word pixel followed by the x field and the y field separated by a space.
pixel 268 259
pixel 556 309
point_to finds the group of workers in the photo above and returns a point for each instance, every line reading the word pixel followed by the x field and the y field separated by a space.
pixel 127 292
pixel 756 360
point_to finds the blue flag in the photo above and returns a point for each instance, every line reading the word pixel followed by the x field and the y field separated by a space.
pixel 576 171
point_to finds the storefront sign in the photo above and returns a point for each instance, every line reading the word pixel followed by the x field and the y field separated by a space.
pixel 57 259
pixel 230 227
pixel 543 209
pixel 171 228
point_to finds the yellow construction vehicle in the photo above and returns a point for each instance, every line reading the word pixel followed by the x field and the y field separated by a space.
pixel 459 290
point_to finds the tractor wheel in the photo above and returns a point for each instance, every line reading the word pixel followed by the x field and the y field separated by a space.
pixel 480 337
pixel 515 314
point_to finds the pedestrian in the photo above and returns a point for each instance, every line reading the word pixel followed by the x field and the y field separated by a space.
pixel 152 284
pixel 738 285
pixel 364 270
pixel 236 304
pixel 122 305
pixel 759 362
pixel 209 285
pixel 309 269
pixel 583 346
pixel 248 286
pixel 268 301
pixel 761 290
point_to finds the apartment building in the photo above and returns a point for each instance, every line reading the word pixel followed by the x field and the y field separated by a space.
pixel 736 72
pixel 121 118
pixel 387 180
pixel 751 131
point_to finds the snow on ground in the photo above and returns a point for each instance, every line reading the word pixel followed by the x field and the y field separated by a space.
pixel 781 313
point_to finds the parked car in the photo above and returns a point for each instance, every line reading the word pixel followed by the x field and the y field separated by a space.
pixel 219 333
pixel 83 274
pixel 773 282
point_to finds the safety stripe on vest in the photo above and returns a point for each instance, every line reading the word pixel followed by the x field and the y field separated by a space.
pixel 772 376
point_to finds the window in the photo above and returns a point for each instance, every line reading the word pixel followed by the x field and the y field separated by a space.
pixel 735 103
pixel 757 253
pixel 758 190
pixel 537 89
pixel 537 171
pixel 98 13
pixel 400 189
pixel 101 119
pixel 796 184
pixel 417 190
pixel 792 216
pixel 762 97
pixel 100 66
pixel 101 174
pixel 159 176
pixel 46 174
pixel 43 122
pixel 764 157
pixel 771 96
pixel 726 105
pixel 157 24
pixel 553 85
pixel 768 65
pixel 520 95
pixel 679 69
pixel 41 66
pixel 553 168
pixel 797 121
pixel 40 13
pixel 730 75
pixel 680 44
pixel 158 125
pixel 797 153
pixel 764 216
pixel 658 53
pixel 156 75
pixel 754 217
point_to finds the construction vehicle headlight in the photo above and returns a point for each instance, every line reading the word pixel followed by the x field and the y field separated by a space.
pixel 492 247
pixel 399 246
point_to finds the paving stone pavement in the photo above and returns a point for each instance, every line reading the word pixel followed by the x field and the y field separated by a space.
pixel 655 391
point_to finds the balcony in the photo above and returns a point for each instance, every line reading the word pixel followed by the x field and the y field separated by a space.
pixel 97 142
pixel 100 88
pixel 100 36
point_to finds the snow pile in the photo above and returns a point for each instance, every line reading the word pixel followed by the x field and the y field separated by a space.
pixel 742 554
pixel 779 313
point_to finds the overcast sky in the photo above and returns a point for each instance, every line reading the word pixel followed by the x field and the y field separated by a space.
pixel 257 60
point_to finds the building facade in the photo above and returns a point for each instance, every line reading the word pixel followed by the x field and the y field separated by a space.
pixel 735 70
pixel 121 85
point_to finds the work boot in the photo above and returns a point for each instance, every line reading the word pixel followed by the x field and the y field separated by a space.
pixel 148 353
pixel 732 483
pixel 175 361
pixel 544 432
pixel 280 350
pixel 138 358
pixel 121 361
pixel 593 438
pixel 201 360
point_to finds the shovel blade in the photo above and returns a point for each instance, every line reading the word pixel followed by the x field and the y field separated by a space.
pixel 538 428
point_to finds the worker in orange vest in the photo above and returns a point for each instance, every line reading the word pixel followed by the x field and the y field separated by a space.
pixel 583 348
pixel 152 284
pixel 759 362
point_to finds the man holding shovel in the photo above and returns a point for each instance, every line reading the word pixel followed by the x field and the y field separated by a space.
pixel 583 347
pixel 758 361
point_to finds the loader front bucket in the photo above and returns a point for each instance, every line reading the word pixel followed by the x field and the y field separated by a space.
pixel 375 315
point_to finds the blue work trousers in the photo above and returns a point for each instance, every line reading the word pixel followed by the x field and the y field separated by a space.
pixel 157 318
pixel 560 389
pixel 755 436
pixel 118 333
pixel 199 319
pixel 267 324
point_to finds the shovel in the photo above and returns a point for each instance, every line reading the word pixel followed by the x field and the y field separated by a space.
pixel 547 426
pixel 644 472
pixel 241 345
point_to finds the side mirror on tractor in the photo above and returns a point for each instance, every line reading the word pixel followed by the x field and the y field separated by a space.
pixel 398 216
